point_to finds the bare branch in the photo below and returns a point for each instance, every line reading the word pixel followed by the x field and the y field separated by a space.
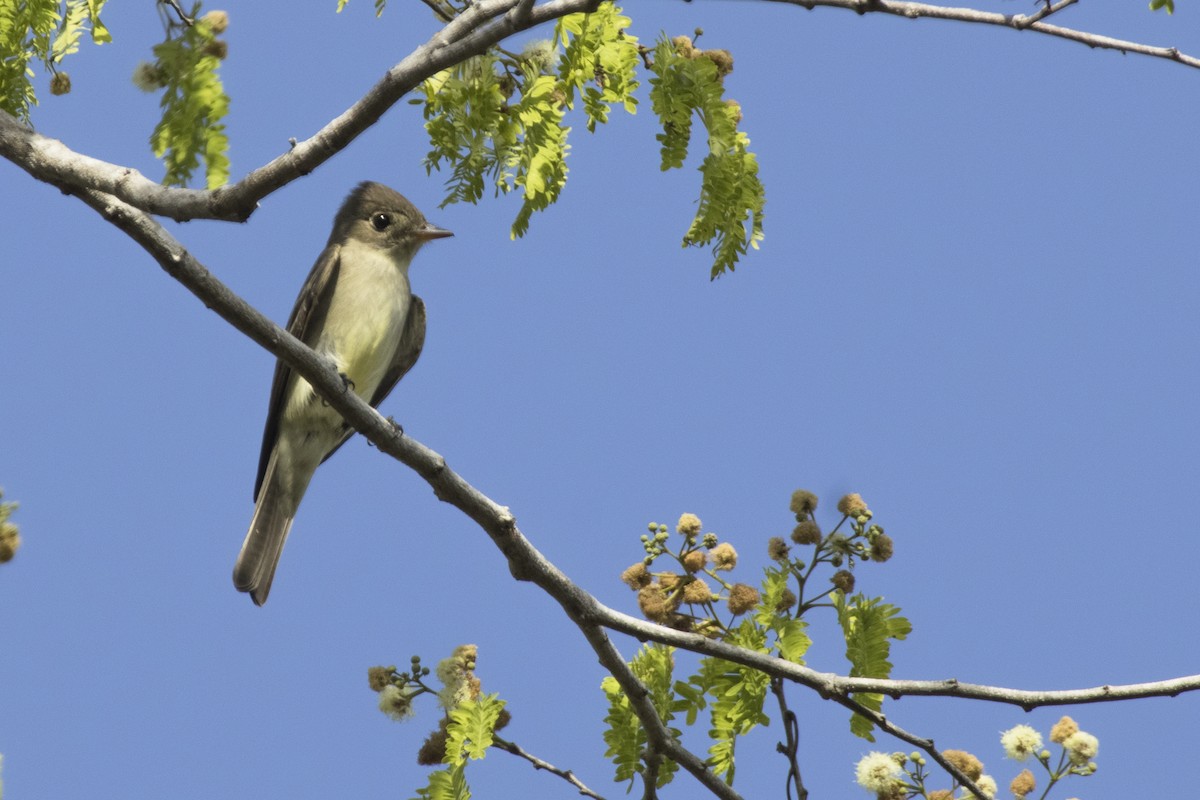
pixel 566 774
pixel 1019 22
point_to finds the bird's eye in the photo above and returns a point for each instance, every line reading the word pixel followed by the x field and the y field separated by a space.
pixel 381 221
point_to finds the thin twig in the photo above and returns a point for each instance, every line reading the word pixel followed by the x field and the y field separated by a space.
pixel 439 10
pixel 884 724
pixel 1019 22
pixel 791 748
pixel 566 774
pixel 1023 21
pixel 184 18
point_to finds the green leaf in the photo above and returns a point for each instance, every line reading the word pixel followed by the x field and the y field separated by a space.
pixel 690 700
pixel 71 29
pixel 600 61
pixel 472 728
pixel 26 28
pixel 730 208
pixel 793 640
pixel 446 784
pixel 624 734
pixel 737 695
pixel 193 104
pixel 868 625
pixel 45 31
pixel 499 118
pixel 100 34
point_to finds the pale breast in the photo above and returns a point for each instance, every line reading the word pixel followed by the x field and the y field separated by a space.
pixel 366 315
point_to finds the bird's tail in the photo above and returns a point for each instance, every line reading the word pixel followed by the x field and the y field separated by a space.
pixel 273 515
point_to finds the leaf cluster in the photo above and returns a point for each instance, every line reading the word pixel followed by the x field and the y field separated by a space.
pixel 688 83
pixel 625 736
pixel 193 104
pixel 469 732
pixel 869 625
pixel 45 31
pixel 498 119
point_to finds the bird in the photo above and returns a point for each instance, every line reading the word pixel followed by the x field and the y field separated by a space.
pixel 357 309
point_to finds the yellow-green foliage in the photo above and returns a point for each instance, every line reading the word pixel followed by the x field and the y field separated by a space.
pixel 600 60
pixel 625 736
pixel 498 120
pixel 469 733
pixel 736 697
pixel 869 624
pixel 730 213
pixel 45 31
pixel 193 103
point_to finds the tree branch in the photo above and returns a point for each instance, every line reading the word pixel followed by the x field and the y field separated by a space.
pixel 566 774
pixel 1019 22
pixel 123 197
pixel 471 33
pixel 884 724
pixel 525 562
pixel 481 26
pixel 791 748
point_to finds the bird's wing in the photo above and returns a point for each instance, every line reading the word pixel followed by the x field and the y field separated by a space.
pixel 311 306
pixel 407 353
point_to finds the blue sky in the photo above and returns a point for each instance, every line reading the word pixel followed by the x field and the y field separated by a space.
pixel 976 305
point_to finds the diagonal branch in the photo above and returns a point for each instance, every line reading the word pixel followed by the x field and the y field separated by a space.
pixel 525 561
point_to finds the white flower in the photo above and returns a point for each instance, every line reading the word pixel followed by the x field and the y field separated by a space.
pixel 877 772
pixel 396 703
pixel 986 784
pixel 1021 742
pixel 1081 747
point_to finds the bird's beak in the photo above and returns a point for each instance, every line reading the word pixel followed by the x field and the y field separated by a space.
pixel 429 232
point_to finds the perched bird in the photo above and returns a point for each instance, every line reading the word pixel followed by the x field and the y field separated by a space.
pixel 356 308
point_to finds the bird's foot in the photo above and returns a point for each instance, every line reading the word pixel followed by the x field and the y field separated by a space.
pixel 347 385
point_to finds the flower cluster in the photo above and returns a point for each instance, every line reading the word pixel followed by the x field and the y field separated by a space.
pixel 397 691
pixel 839 548
pixel 688 594
pixel 697 560
pixel 897 776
